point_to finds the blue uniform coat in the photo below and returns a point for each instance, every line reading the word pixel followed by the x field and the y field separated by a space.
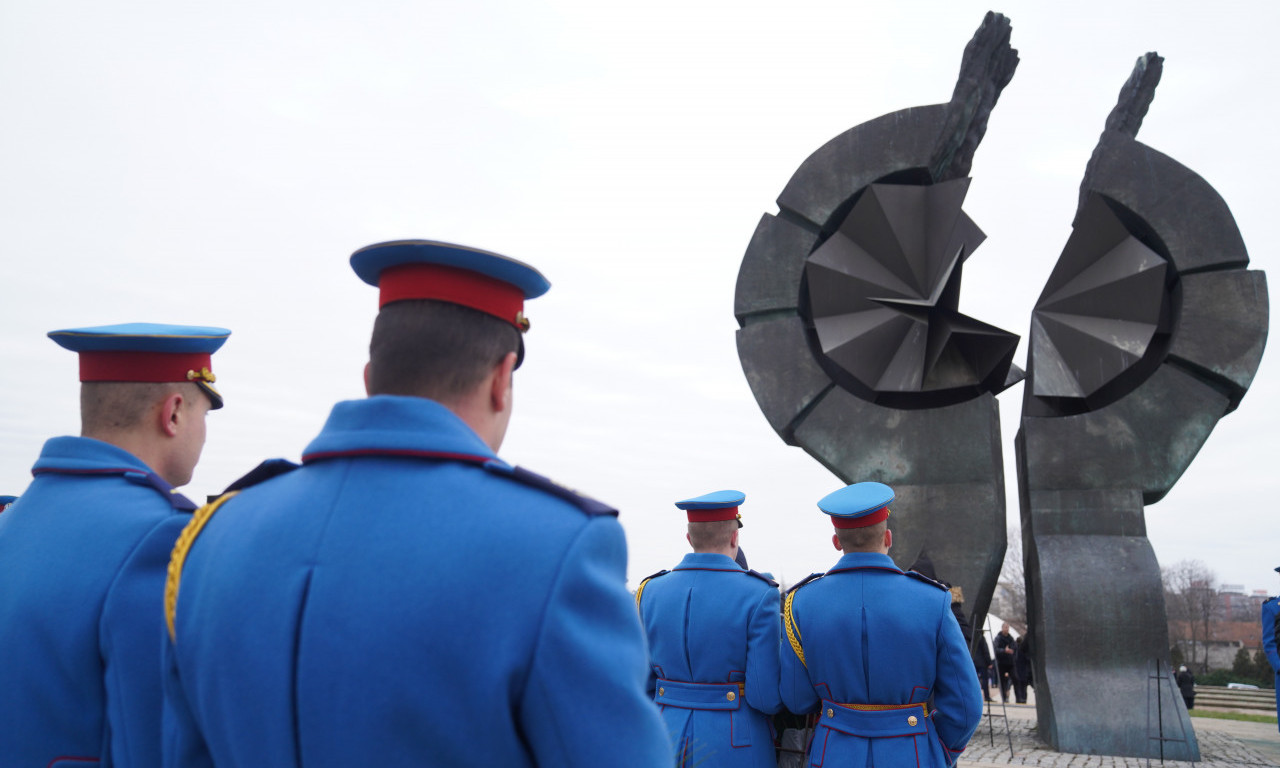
pixel 1270 609
pixel 83 555
pixel 871 635
pixel 407 599
pixel 712 624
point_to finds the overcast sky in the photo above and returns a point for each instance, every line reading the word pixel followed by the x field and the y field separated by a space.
pixel 216 164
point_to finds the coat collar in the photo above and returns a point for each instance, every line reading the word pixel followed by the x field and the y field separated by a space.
pixel 385 425
pixel 87 456
pixel 854 560
pixel 705 561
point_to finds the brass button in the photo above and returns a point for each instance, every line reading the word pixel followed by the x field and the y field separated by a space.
pixel 831 713
pixel 730 696
pixel 662 691
pixel 912 720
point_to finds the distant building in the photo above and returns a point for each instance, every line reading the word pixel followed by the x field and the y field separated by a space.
pixel 1234 625
pixel 1238 606
pixel 1222 653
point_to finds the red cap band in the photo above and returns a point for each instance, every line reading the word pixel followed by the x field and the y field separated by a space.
pixel 880 515
pixel 456 286
pixel 712 515
pixel 144 366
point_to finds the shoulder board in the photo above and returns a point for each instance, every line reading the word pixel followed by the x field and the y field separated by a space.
pixel 262 473
pixel 805 580
pixel 763 578
pixel 931 582
pixel 644 582
pixel 152 480
pixel 1270 600
pixel 547 485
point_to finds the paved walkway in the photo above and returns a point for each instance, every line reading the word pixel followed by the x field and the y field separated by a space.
pixel 1223 744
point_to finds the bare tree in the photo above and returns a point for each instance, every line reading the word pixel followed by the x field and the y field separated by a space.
pixel 1010 600
pixel 1191 600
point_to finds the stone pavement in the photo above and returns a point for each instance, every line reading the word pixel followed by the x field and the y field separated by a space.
pixel 1223 744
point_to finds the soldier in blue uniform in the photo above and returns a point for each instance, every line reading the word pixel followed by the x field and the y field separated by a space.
pixel 877 652
pixel 405 597
pixel 713 630
pixel 83 552
pixel 1270 629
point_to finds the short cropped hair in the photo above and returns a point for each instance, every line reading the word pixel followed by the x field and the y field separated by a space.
pixel 113 406
pixel 868 539
pixel 435 349
pixel 713 535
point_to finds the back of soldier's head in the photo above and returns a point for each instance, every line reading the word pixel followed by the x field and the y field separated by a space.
pixel 108 407
pixel 866 539
pixel 713 536
pixel 128 369
pixel 860 514
pixel 713 519
pixel 435 349
pixel 447 316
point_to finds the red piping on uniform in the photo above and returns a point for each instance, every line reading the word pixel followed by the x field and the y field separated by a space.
pixel 866 568
pixel 718 570
pixel 403 452
pixel 110 471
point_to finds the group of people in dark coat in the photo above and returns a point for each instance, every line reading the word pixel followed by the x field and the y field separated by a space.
pixel 1011 667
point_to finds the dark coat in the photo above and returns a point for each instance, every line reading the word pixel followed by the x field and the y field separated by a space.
pixel 1022 660
pixel 1186 683
pixel 1003 644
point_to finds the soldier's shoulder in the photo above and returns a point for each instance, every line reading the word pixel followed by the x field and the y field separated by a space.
pixel 653 576
pixel 920 577
pixel 549 487
pixel 762 576
pixel 806 580
pixel 265 471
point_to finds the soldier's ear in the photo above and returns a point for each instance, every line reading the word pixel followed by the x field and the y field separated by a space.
pixel 835 540
pixel 888 539
pixel 367 367
pixel 169 413
pixel 500 384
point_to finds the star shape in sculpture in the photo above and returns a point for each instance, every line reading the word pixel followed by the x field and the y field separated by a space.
pixel 1101 309
pixel 883 296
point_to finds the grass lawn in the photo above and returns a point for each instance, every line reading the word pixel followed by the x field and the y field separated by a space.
pixel 1233 716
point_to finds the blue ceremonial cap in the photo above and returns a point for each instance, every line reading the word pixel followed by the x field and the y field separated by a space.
pixel 6 501
pixel 858 505
pixel 715 506
pixel 147 352
pixel 427 269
